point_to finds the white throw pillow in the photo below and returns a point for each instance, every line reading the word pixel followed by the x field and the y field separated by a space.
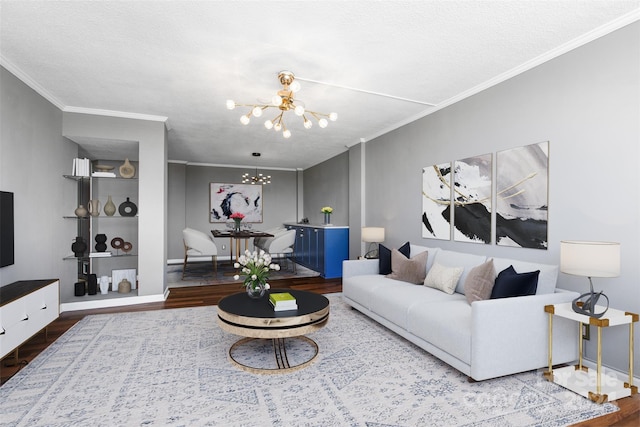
pixel 443 278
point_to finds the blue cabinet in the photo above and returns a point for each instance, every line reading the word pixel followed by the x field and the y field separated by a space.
pixel 321 248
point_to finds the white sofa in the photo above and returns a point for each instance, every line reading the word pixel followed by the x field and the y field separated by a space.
pixel 484 339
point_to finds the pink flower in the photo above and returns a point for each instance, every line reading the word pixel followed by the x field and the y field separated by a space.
pixel 237 215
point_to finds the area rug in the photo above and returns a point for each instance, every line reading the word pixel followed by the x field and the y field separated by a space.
pixel 171 368
pixel 201 274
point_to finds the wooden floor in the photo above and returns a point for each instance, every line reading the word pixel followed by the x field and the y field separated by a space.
pixel 628 416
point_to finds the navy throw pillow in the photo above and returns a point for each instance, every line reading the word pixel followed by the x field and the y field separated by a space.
pixel 384 257
pixel 511 284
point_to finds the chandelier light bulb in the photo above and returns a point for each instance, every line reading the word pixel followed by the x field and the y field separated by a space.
pixel 295 86
pixel 276 100
pixel 268 124
pixel 333 117
pixel 323 123
pixel 286 133
pixel 307 123
pixel 299 110
pixel 245 119
pixel 257 111
pixel 277 127
pixel 230 104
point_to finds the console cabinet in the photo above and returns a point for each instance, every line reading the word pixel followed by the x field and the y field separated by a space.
pixel 26 307
pixel 321 248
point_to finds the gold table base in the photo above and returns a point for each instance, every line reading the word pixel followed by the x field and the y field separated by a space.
pixel 280 354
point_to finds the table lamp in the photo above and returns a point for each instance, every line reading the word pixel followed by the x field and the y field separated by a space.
pixel 590 259
pixel 372 235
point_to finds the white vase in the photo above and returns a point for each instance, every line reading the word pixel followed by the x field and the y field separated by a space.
pixel 104 285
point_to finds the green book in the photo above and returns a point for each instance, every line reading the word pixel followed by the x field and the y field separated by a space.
pixel 281 297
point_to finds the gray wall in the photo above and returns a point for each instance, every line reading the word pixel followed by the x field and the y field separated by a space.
pixel 327 184
pixel 33 158
pixel 189 200
pixel 586 103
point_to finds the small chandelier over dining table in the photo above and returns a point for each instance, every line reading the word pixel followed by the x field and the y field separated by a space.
pixel 284 101
pixel 258 178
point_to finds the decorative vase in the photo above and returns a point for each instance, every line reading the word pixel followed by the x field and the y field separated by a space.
pixel 81 211
pixel 127 170
pixel 128 208
pixel 256 290
pixel 236 224
pixel 101 244
pixel 80 289
pixel 124 287
pixel 94 207
pixel 104 285
pixel 78 247
pixel 109 207
pixel 92 284
pixel 327 218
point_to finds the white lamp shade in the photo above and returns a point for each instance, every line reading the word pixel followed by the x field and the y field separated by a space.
pixel 590 259
pixel 373 234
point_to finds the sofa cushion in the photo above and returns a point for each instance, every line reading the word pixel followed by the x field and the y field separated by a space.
pixel 364 289
pixel 445 324
pixel 511 284
pixel 416 249
pixel 410 270
pixel 443 278
pixel 393 300
pixel 384 257
pixel 459 259
pixel 548 272
pixel 479 282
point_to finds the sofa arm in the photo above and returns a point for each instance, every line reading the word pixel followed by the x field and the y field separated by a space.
pixel 359 267
pixel 510 335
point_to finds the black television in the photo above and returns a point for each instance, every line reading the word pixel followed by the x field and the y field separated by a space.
pixel 7 256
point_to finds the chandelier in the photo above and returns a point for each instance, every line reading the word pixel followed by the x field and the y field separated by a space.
pixel 284 101
pixel 258 178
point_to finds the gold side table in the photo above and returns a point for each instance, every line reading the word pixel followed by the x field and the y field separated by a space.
pixel 579 378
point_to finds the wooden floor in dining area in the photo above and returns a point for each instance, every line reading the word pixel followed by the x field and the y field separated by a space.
pixel 628 416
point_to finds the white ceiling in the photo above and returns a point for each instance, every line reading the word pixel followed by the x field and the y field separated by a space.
pixel 181 61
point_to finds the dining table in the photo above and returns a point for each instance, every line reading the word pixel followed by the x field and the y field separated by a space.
pixel 236 238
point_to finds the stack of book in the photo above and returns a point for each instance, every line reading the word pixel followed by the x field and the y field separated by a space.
pixel 283 301
pixel 99 254
pixel 100 174
pixel 81 167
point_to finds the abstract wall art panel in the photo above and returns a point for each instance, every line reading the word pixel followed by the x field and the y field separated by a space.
pixel 226 199
pixel 472 199
pixel 522 196
pixel 436 202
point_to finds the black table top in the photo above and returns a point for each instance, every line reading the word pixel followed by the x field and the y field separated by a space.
pixel 13 291
pixel 241 305
pixel 243 234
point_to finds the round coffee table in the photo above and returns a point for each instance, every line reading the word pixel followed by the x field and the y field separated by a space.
pixel 256 320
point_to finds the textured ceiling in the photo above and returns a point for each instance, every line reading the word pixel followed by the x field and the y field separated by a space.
pixel 183 60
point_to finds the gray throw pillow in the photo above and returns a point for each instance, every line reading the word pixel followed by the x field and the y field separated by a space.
pixel 408 270
pixel 479 282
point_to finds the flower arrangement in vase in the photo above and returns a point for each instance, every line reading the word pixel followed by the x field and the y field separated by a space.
pixel 327 210
pixel 237 218
pixel 255 266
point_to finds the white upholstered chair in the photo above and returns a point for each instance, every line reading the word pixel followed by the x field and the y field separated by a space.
pixel 264 242
pixel 282 245
pixel 199 244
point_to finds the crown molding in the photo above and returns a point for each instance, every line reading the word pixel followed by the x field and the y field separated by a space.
pixel 26 79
